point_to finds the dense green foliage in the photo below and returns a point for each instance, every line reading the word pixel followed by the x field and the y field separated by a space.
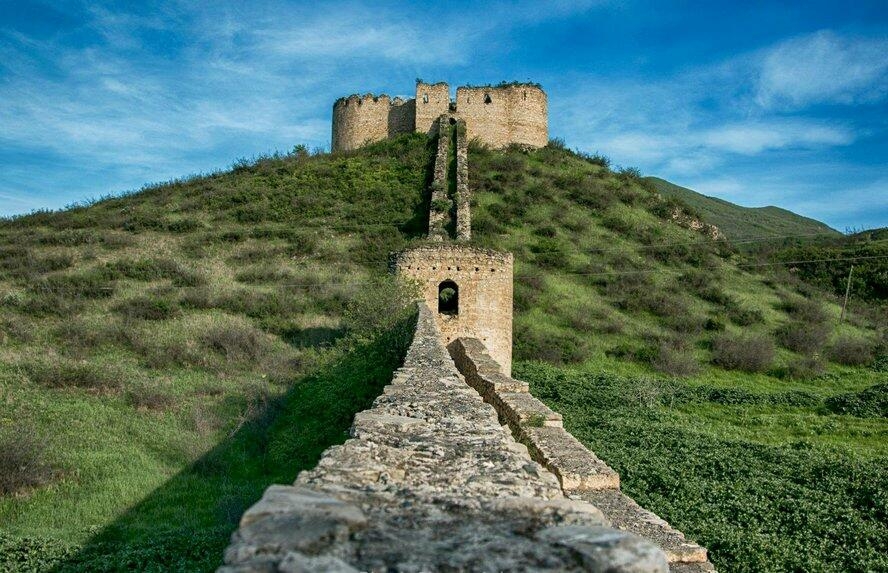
pixel 796 506
pixel 741 224
pixel 174 351
pixel 866 251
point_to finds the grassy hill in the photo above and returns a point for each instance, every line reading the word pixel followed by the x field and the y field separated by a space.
pixel 744 223
pixel 168 354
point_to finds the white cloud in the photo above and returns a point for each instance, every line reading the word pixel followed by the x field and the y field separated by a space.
pixel 823 68
pixel 752 138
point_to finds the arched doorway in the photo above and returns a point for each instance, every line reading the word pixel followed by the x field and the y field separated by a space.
pixel 448 298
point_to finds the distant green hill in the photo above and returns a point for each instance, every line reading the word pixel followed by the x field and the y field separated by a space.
pixel 739 223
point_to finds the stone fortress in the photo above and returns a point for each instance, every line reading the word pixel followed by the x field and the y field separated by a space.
pixel 456 466
pixel 497 115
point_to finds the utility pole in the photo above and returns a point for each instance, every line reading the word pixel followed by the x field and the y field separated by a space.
pixel 847 292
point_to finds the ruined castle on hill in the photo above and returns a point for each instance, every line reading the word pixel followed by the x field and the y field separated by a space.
pixel 496 115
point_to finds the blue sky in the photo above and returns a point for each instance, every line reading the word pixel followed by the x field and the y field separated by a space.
pixel 758 103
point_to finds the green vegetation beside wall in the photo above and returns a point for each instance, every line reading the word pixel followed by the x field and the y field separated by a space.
pixel 766 480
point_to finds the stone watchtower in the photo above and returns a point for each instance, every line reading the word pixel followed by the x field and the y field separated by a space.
pixel 469 290
pixel 501 115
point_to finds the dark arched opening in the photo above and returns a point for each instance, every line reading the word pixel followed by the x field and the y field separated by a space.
pixel 487 98
pixel 448 298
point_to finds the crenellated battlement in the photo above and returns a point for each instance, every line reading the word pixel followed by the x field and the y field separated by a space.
pixel 498 115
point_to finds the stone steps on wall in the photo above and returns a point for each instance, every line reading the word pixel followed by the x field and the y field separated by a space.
pixel 575 466
pixel 624 513
pixel 581 474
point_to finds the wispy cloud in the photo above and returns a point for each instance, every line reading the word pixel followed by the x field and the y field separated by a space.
pixel 823 68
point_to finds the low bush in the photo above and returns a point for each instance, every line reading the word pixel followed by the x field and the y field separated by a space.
pixel 674 362
pixel 144 397
pixel 807 368
pixel 91 284
pixel 149 308
pixel 64 373
pixel 851 351
pixel 236 342
pixel 870 402
pixel 803 337
pixel 745 353
pixel 154 270
pixel 265 273
pixel 744 316
pixel 23 459
pixel 803 309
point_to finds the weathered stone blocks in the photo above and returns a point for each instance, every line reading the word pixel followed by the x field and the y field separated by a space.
pixel 430 482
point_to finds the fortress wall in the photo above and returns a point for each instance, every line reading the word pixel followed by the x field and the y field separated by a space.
pixel 402 116
pixel 358 120
pixel 432 100
pixel 463 196
pixel 514 114
pixel 439 206
pixel 484 278
pixel 430 481
pixel 580 472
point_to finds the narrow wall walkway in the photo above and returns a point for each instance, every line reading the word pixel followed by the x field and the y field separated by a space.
pixel 581 474
pixel 430 481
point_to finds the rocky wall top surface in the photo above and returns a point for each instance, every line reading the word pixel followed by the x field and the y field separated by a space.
pixel 430 481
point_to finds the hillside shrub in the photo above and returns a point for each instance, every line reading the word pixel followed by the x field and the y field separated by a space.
pixel 155 269
pixel 65 373
pixel 674 362
pixel 871 402
pixel 235 342
pixel 851 351
pixel 91 284
pixel 618 223
pixel 562 347
pixel 804 310
pixel 745 353
pixel 805 368
pixel 145 397
pixel 149 308
pixel 591 193
pixel 528 289
pixel 24 460
pixel 803 337
pixel 264 273
pixel 744 315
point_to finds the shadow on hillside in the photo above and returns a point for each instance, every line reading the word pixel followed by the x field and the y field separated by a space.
pixel 185 524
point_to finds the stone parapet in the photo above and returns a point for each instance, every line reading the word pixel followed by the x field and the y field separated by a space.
pixel 430 481
pixel 581 474
pixel 463 197
pixel 440 203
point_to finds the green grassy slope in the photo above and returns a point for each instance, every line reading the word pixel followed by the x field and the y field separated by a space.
pixel 738 223
pixel 171 353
